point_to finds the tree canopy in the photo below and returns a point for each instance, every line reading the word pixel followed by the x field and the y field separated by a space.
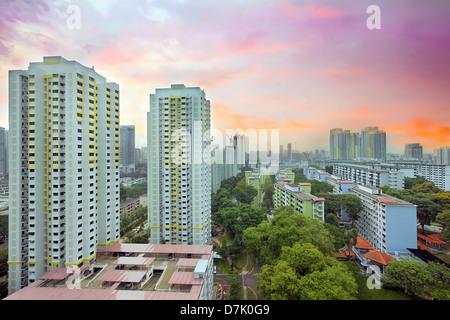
pixel 237 219
pixel 244 193
pixel 285 229
pixel 419 279
pixel 305 273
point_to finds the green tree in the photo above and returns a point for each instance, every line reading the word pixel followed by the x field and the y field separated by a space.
pixel 236 290
pixel 286 228
pixel 3 227
pixel 123 192
pixel 427 208
pixel 333 283
pixel 304 273
pixel 279 282
pixel 237 219
pixel 332 219
pixel 136 190
pixel 419 279
pixel 333 202
pixel 426 187
pixel 350 237
pixel 410 182
pixel 244 193
pixel 318 187
pixel 268 194
pixel 443 219
pixel 352 205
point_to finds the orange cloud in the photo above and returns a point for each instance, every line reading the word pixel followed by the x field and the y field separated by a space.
pixel 229 119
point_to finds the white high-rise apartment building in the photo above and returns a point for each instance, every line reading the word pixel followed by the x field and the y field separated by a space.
pixel 64 168
pixel 179 166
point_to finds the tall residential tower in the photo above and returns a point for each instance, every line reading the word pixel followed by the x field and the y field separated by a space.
pixel 127 148
pixel 64 167
pixel 179 169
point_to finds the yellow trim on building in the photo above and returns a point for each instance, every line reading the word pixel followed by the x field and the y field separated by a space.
pixel 52 62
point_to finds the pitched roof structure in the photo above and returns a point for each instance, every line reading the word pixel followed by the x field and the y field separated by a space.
pixel 362 243
pixel 379 257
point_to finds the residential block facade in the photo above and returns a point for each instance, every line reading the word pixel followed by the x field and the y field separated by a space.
pixel 387 223
pixel 298 197
pixel 179 166
pixel 64 167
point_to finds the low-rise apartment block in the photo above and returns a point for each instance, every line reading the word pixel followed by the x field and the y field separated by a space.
pixel 387 223
pixel 365 175
pixel 439 174
pixel 299 197
pixel 256 179
pixel 340 186
pixel 129 206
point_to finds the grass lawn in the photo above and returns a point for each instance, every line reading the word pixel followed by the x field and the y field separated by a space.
pixel 225 239
pixel 364 293
pixel 223 265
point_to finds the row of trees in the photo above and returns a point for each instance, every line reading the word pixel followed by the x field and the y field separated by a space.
pixel 130 221
pixel 134 191
pixel 430 280
pixel 295 254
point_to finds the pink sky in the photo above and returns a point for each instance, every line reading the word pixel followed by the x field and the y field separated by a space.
pixel 302 67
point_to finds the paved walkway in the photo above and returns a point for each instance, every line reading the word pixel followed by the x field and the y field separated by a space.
pixel 247 276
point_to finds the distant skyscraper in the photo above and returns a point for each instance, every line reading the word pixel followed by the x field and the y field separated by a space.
pixel 343 144
pixel 127 144
pixel 413 151
pixel 443 155
pixel 179 175
pixel 369 144
pixel 372 144
pixel 3 151
pixel 64 160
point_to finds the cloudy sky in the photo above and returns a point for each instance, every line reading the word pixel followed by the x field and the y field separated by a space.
pixel 302 67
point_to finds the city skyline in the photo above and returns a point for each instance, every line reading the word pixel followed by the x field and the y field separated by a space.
pixel 301 67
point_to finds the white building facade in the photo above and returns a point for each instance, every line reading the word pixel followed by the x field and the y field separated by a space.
pixel 365 175
pixel 179 166
pixel 64 162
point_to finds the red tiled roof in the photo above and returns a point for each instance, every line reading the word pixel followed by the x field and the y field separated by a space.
pixel 379 257
pixel 387 200
pixel 362 243
pixel 429 239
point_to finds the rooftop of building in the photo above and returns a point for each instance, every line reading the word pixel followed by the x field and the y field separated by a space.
pixel 120 272
pixel 301 195
pixel 379 196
